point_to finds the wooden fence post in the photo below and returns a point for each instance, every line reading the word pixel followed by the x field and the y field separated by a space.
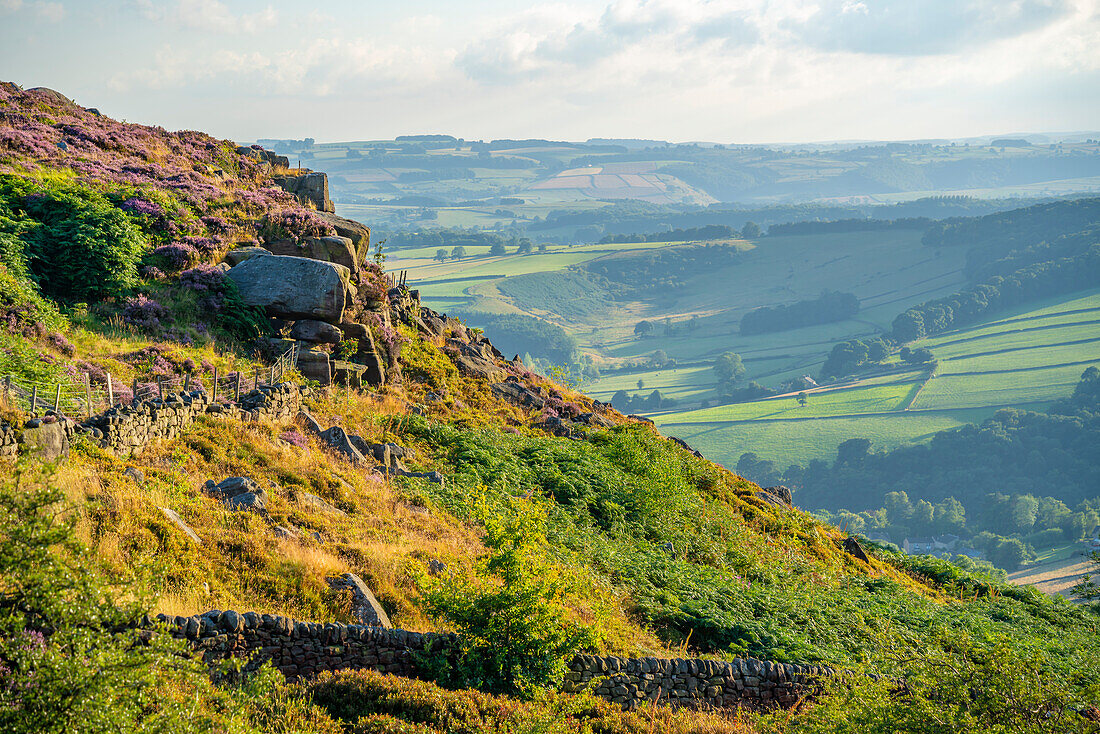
pixel 256 379
pixel 237 388
pixel 88 392
pixel 160 388
pixel 110 392
pixel 134 399
pixel 7 389
pixel 57 399
pixel 214 396
pixel 34 398
pixel 186 382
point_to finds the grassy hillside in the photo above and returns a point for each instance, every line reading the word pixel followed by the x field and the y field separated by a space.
pixel 564 518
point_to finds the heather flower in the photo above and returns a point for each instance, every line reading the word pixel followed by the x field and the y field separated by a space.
pixel 144 313
pixel 177 255
pixel 61 344
pixel 294 438
pixel 134 205
pixel 294 225
pixel 152 272
pixel 216 224
pixel 205 245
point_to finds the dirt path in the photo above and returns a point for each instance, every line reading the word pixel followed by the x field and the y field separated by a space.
pixel 1053 578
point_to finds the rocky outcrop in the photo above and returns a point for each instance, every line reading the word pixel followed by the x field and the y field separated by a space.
pixel 315 364
pixel 339 250
pixel 358 233
pixel 779 496
pixel 238 493
pixel 316 332
pixel 294 287
pixel 310 188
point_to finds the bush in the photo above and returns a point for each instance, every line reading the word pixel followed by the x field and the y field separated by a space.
pixel 78 246
pixel 514 631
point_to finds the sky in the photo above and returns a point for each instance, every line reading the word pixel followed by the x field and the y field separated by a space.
pixel 728 71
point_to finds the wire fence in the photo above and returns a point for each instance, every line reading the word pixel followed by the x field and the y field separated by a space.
pixel 74 399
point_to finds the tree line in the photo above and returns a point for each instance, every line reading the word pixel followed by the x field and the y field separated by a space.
pixel 828 307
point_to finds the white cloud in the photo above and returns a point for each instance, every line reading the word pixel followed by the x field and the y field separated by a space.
pixel 52 12
pixel 211 16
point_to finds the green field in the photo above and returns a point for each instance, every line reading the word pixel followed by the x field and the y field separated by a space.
pixel 1025 358
pixel 970 384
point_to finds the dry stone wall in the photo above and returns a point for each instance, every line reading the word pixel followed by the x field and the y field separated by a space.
pixel 128 429
pixel 304 649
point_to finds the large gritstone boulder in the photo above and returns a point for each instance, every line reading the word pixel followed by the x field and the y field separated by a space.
pixel 358 233
pixel 311 188
pixel 339 250
pixel 294 287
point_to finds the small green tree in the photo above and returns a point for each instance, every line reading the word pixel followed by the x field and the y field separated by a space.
pixel 802 399
pixel 515 632
pixel 458 252
pixel 498 249
pixel 440 255
pixel 73 658
pixel 1089 588
pixel 728 368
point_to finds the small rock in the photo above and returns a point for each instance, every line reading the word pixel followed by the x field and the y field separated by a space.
pixel 178 522
pixel 136 474
pixel 316 502
pixel 436 567
pixel 367 609
pixel 283 532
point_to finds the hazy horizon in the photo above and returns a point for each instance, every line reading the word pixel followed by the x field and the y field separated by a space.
pixel 730 71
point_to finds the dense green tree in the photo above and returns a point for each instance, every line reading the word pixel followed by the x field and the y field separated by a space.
pixel 898 508
pixel 440 255
pixel 728 368
pixel 497 249
pixel 457 252
pixel 750 230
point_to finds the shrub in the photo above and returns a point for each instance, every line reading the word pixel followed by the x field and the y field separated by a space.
pixel 514 631
pixel 144 313
pixel 293 224
pixel 79 246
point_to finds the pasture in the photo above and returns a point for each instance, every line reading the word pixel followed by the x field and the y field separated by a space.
pixel 1024 359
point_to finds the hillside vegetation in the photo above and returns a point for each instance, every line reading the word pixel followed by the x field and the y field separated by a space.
pixel 557 521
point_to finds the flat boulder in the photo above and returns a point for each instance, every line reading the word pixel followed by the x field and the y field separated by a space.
pixel 179 523
pixel 339 250
pixel 240 254
pixel 357 232
pixel 48 441
pixel 294 287
pixel 318 332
